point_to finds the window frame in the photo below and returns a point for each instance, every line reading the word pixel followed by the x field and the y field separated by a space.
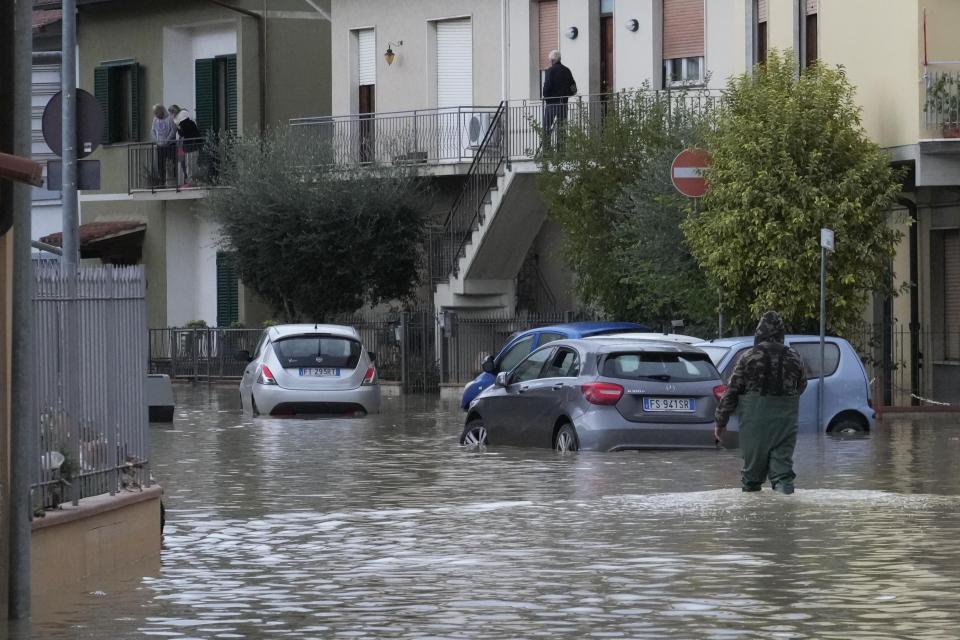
pixel 699 82
pixel 118 82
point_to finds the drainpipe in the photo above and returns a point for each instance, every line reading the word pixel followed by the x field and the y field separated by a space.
pixel 915 354
pixel 504 55
pixel 262 35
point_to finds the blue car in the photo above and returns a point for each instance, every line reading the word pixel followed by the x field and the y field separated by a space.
pixel 522 344
pixel 847 405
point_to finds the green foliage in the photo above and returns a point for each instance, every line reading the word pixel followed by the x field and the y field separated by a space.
pixel 313 239
pixel 196 324
pixel 607 184
pixel 789 156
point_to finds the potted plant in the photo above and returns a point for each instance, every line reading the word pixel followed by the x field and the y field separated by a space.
pixel 943 100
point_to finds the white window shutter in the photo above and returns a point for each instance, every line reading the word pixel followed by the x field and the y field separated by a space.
pixel 454 63
pixel 366 57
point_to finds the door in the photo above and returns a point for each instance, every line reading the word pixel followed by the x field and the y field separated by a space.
pixel 548 395
pixel 507 414
pixel 366 92
pixel 454 86
pixel 606 54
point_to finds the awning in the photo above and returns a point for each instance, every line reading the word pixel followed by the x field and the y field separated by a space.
pixel 112 241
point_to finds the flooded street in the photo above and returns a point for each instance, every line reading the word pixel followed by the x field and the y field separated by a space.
pixel 383 527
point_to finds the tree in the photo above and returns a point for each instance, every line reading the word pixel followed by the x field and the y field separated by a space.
pixel 606 183
pixel 790 156
pixel 313 239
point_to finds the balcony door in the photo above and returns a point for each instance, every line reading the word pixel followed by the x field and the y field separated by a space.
pixel 454 87
pixel 606 46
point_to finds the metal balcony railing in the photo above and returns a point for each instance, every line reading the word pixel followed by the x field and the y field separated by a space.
pixel 942 103
pixel 184 164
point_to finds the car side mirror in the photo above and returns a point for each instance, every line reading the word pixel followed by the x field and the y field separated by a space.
pixel 243 356
pixel 489 365
pixel 372 355
pixel 502 380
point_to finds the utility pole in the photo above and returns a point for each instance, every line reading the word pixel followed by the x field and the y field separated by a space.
pixel 68 85
pixel 23 441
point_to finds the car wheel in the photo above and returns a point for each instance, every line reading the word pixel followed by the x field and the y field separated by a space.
pixel 848 427
pixel 566 439
pixel 474 435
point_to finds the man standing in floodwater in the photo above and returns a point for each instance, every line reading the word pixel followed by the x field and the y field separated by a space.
pixel 765 386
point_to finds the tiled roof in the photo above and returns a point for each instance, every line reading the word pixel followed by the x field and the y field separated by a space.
pixel 94 231
pixel 44 18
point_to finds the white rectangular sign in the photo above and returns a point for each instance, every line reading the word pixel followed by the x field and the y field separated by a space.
pixel 826 239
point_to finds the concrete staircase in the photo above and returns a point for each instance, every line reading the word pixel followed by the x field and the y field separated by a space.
pixel 485 272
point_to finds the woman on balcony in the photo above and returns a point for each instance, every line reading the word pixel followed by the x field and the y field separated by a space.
pixel 190 142
pixel 165 135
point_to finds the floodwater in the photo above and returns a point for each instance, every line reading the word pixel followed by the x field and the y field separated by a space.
pixel 382 527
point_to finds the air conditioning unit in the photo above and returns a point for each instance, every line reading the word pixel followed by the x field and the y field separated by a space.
pixel 479 124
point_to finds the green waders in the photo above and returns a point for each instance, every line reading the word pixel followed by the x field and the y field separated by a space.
pixel 768 435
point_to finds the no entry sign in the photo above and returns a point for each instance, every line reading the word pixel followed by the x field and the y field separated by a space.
pixel 687 172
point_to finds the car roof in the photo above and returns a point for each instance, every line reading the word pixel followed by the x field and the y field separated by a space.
pixel 611 344
pixel 737 341
pixel 287 330
pixel 583 329
pixel 664 337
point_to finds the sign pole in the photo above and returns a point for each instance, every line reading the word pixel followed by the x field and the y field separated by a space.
pixel 68 85
pixel 826 244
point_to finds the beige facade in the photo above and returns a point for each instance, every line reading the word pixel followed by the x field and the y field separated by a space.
pixel 282 72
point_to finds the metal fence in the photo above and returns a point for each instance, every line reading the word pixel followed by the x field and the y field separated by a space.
pixel 90 406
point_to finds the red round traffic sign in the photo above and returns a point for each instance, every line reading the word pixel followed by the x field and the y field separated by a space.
pixel 687 172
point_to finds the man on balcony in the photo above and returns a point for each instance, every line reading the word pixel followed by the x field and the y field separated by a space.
pixel 164 131
pixel 558 86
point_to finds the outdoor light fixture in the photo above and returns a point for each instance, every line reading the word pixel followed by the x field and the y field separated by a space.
pixel 572 33
pixel 389 56
pixel 632 24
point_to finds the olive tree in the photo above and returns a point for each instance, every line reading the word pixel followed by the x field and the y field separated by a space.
pixel 310 238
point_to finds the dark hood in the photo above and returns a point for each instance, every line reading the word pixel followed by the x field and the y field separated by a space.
pixel 770 329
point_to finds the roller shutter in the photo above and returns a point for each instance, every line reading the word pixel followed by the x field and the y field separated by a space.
pixel 454 63
pixel 548 28
pixel 683 29
pixel 366 57
pixel 951 294
pixel 762 11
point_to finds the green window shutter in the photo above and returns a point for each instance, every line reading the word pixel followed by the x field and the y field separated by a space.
pixel 206 86
pixel 230 91
pixel 101 90
pixel 228 298
pixel 135 106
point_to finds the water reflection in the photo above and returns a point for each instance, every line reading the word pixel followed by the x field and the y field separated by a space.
pixel 382 527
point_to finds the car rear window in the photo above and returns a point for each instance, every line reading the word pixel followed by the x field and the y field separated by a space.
pixel 810 352
pixel 654 365
pixel 318 351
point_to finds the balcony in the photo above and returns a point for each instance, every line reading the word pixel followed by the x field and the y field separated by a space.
pixel 941 111
pixel 181 167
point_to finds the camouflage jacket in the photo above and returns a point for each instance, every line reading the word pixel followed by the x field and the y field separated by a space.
pixel 769 368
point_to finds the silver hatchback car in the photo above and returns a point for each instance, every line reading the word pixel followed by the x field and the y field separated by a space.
pixel 310 369
pixel 602 395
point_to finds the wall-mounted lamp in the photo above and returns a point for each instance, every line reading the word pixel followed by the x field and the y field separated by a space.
pixel 389 56
pixel 572 33
pixel 632 24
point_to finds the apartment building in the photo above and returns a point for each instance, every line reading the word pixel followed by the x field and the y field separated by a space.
pixel 434 74
pixel 904 60
pixel 235 67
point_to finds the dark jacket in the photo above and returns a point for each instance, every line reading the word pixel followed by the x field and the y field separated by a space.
pixel 769 368
pixel 558 83
pixel 188 129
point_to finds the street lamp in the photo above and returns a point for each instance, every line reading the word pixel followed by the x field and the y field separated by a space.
pixel 826 244
pixel 389 56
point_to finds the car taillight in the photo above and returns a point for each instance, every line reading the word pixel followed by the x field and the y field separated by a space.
pixel 266 376
pixel 602 393
pixel 371 376
pixel 719 390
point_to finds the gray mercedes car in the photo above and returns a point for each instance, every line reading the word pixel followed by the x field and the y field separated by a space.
pixel 602 395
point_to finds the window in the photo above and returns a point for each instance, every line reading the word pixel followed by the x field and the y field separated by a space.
pixel 564 364
pixel 116 86
pixel 318 351
pixel 228 298
pixel 761 12
pixel 530 368
pixel 216 89
pixel 945 294
pixel 810 352
pixel 683 42
pixel 682 71
pixel 515 354
pixel 546 338
pixel 662 366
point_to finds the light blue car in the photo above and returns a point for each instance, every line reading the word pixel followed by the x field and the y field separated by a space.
pixel 847 405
